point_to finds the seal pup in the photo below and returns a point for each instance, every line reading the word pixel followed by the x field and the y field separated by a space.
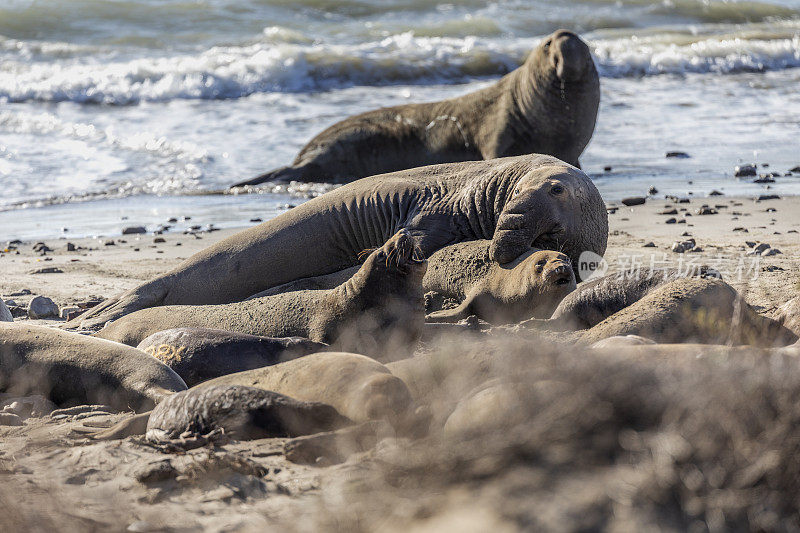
pixel 358 387
pixel 198 354
pixel 243 413
pixel 532 285
pixel 72 369
pixel 548 105
pixel 5 312
pixel 707 311
pixel 517 203
pixel 379 311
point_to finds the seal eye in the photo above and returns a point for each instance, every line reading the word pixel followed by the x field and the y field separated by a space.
pixel 556 190
pixel 547 44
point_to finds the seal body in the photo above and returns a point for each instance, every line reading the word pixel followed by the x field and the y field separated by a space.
pixel 377 311
pixel 198 355
pixel 356 386
pixel 530 286
pixel 516 202
pixel 71 369
pixel 789 315
pixel 548 105
pixel 707 311
pixel 243 413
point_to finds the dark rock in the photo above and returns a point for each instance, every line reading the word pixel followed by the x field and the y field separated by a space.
pixel 715 193
pixel 742 171
pixel 678 155
pixel 671 220
pixel 159 240
pixel 608 168
pixel 741 229
pixel 672 211
pixel 634 200
pixel 134 230
pixel 649 245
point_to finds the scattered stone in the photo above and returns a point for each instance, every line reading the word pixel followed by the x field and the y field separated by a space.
pixel 607 168
pixel 686 234
pixel 634 200
pixel 172 220
pixel 705 210
pixel 671 220
pixel 46 270
pixel 134 230
pixel 678 155
pixel 672 211
pixel 684 200
pixel 715 193
pixel 649 245
pixel 741 229
pixel 109 242
pixel 159 240
pixel 742 171
pixel 42 307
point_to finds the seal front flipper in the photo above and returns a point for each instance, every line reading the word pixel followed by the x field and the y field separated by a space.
pixel 451 315
pixel 150 294
pixel 279 174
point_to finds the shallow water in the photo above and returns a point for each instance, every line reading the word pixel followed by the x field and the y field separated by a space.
pixel 109 106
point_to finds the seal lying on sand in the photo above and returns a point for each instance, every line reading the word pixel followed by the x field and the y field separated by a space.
pixel 71 369
pixel 517 203
pixel 378 310
pixel 789 315
pixel 595 300
pixel 356 386
pixel 198 355
pixel 242 413
pixel 548 105
pixel 532 285
pixel 693 310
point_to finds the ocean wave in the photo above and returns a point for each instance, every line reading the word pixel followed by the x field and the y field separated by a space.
pixel 286 61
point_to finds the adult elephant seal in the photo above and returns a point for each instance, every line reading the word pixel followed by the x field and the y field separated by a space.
pixel 532 285
pixel 515 202
pixel 356 386
pixel 707 311
pixel 378 312
pixel 71 369
pixel 242 413
pixel 198 355
pixel 548 105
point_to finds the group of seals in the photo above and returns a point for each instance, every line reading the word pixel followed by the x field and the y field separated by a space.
pixel 530 286
pixel 378 309
pixel 548 105
pixel 516 202
pixel 71 369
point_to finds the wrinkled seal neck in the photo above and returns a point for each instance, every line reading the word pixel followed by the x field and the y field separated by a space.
pixel 483 204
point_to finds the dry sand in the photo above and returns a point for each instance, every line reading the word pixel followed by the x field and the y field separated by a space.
pixel 54 477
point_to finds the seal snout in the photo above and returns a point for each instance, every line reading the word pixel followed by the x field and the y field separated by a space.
pixel 569 55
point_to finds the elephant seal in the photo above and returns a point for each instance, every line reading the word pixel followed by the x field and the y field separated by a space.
pixel 71 369
pixel 243 413
pixel 623 340
pixel 517 203
pixel 789 315
pixel 548 105
pixel 707 311
pixel 532 285
pixel 198 355
pixel 5 313
pixel 377 311
pixel 356 386
pixel 595 300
